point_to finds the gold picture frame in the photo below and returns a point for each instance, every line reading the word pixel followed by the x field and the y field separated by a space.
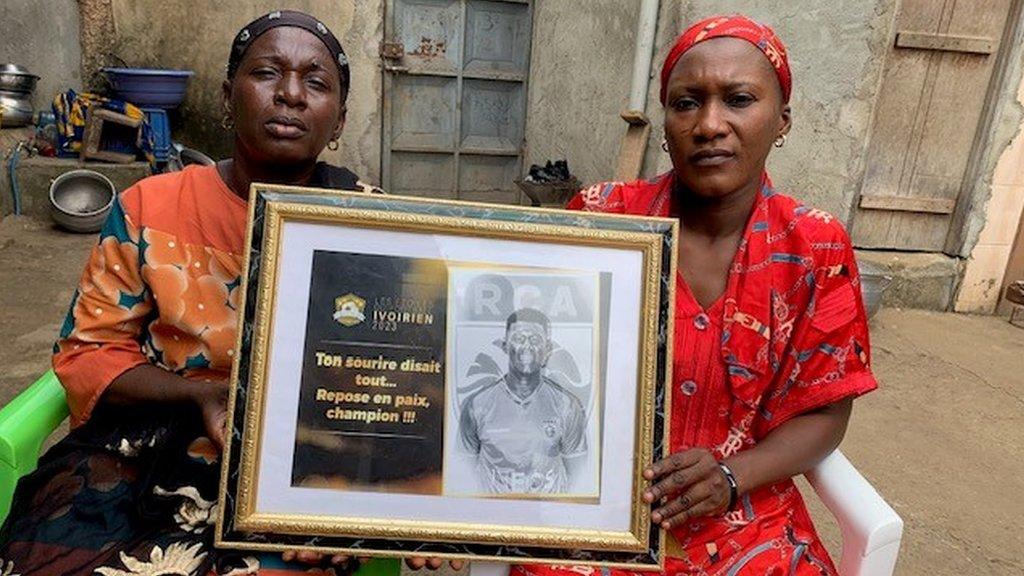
pixel 287 226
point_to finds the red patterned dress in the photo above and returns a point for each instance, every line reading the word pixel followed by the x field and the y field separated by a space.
pixel 788 335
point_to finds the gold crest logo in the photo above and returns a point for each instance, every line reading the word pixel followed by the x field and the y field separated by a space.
pixel 348 309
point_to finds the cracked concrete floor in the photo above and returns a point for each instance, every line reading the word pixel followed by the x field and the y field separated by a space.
pixel 941 440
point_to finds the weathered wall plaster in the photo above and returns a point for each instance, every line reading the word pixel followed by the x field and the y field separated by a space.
pixel 1007 118
pixel 983 279
pixel 581 64
pixel 30 29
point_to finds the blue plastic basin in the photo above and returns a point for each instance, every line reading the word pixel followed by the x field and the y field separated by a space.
pixel 149 87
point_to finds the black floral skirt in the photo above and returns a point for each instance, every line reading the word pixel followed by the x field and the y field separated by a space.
pixel 131 492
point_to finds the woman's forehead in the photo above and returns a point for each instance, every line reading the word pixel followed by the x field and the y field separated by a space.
pixel 292 43
pixel 723 61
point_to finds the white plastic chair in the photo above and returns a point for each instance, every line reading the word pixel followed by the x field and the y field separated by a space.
pixel 871 529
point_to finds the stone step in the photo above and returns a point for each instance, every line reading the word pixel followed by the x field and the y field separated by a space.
pixel 35 174
pixel 921 280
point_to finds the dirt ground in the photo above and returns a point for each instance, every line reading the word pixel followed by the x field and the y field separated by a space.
pixel 941 440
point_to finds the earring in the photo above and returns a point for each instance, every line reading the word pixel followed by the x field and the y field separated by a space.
pixel 226 122
pixel 664 144
pixel 332 145
pixel 780 141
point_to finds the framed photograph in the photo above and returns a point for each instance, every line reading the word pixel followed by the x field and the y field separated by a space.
pixel 452 379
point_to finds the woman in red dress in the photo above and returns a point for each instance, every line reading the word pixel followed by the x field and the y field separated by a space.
pixel 771 338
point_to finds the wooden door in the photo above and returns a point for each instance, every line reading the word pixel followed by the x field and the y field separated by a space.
pixel 455 97
pixel 928 121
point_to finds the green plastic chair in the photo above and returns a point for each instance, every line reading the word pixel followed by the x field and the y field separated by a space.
pixel 28 420
pixel 25 423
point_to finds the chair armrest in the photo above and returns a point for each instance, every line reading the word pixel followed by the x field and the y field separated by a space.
pixel 871 528
pixel 380 567
pixel 25 423
pixel 29 419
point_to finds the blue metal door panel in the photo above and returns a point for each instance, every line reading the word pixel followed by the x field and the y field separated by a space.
pixel 455 97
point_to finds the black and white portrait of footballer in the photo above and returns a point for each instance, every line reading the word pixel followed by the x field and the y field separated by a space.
pixel 524 414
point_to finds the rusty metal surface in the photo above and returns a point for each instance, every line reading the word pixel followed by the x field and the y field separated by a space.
pixel 392 50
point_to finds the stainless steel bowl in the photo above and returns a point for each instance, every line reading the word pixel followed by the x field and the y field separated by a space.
pixel 17 79
pixel 189 156
pixel 81 199
pixel 16 109
pixel 14 68
pixel 181 157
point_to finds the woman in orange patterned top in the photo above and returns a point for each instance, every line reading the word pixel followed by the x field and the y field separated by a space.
pixel 146 349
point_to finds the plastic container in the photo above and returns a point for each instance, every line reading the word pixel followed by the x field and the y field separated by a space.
pixel 161 127
pixel 874 281
pixel 149 87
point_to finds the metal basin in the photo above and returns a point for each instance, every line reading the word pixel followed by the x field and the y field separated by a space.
pixel 17 79
pixel 189 156
pixel 181 157
pixel 15 108
pixel 149 87
pixel 81 199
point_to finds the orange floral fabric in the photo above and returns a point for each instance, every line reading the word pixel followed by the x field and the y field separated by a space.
pixel 161 286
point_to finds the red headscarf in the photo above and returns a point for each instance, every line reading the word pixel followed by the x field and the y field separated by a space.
pixel 741 27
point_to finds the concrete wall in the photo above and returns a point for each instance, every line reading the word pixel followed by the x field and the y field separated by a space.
pixel 199 39
pixel 980 290
pixel 36 173
pixel 1007 118
pixel 581 66
pixel 43 37
pixel 994 204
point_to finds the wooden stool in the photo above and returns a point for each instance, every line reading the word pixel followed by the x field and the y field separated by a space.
pixel 110 136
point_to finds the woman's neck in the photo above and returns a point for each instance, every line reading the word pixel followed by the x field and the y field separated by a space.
pixel 239 173
pixel 715 217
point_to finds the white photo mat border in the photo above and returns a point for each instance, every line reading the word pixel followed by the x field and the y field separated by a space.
pixel 274 493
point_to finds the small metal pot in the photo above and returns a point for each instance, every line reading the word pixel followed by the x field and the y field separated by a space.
pixel 16 78
pixel 16 109
pixel 81 199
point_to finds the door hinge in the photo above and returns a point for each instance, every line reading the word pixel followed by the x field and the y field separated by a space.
pixel 392 50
